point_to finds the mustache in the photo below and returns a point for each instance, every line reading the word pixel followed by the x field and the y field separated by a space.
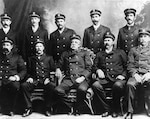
pixel 5 50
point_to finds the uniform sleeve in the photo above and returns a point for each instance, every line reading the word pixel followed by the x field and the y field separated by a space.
pixel 61 62
pixel 88 65
pixel 85 39
pixel 131 66
pixel 96 63
pixel 46 41
pixel 52 64
pixel 21 66
pixel 124 62
pixel 119 43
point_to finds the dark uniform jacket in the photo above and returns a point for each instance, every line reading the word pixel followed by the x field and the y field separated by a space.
pixel 75 64
pixel 11 65
pixel 60 42
pixel 29 41
pixel 39 68
pixel 11 34
pixel 112 64
pixel 139 60
pixel 94 39
pixel 128 38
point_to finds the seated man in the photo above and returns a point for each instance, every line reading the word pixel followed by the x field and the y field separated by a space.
pixel 12 71
pixel 110 67
pixel 39 67
pixel 76 64
pixel 139 68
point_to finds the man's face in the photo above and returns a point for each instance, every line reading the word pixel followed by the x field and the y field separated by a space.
pixel 130 18
pixel 35 21
pixel 108 42
pixel 6 22
pixel 144 39
pixel 39 47
pixel 95 19
pixel 75 44
pixel 60 23
pixel 7 47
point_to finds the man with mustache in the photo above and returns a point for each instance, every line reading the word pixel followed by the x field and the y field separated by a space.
pixel 6 30
pixel 76 64
pixel 93 35
pixel 128 35
pixel 33 32
pixel 139 69
pixel 39 67
pixel 12 71
pixel 60 38
pixel 110 68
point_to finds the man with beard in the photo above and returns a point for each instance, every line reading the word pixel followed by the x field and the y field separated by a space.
pixel 32 33
pixel 139 69
pixel 12 71
pixel 76 64
pixel 128 35
pixel 6 30
pixel 110 67
pixel 39 67
pixel 60 39
pixel 93 35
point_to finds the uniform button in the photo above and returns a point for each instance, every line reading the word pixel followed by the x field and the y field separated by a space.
pixel 7 67
pixel 98 34
pixel 38 36
pixel 76 62
pixel 111 63
pixel 125 45
pixel 38 79
pixel 6 71
pixel 57 46
pixel 106 57
pixel 42 72
pixel 31 42
pixel 126 41
pixel 1 71
pixel 126 35
pixel 92 49
pixel 64 38
pixel 57 39
pixel 57 53
pixel 126 51
pixel 42 63
pixel 37 63
pixel 37 72
pixel 37 68
pixel 1 66
pixel 7 60
pixel 69 57
pixel 31 36
pixel 106 63
pixel 107 69
pixel 110 57
pixel 100 49
pixel 112 75
pixel 70 69
pixel 0 77
pixel 63 45
pixel 71 75
pixel 91 42
pixel 2 61
pixel 111 69
pixel 131 45
pixel 97 41
pixel 6 76
pixel 131 34
pixel 132 40
pixel 76 68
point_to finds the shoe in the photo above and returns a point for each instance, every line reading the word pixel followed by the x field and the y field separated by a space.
pixel 27 112
pixel 11 114
pixel 114 115
pixel 129 115
pixel 105 114
pixel 148 113
pixel 48 113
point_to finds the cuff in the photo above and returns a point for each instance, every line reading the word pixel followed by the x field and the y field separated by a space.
pixel 17 77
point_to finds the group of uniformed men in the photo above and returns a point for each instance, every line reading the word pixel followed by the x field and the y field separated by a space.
pixel 64 54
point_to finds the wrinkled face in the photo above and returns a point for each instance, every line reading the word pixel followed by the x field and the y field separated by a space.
pixel 144 39
pixel 108 42
pixel 39 47
pixel 6 22
pixel 7 47
pixel 75 44
pixel 95 19
pixel 35 21
pixel 130 18
pixel 60 23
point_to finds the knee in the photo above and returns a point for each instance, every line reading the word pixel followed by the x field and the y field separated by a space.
pixel 118 85
pixel 97 85
pixel 59 90
pixel 82 88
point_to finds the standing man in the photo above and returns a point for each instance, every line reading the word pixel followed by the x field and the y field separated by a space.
pixel 76 64
pixel 110 67
pixel 128 35
pixel 60 39
pixel 6 30
pixel 39 67
pixel 93 35
pixel 139 69
pixel 32 33
pixel 12 71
